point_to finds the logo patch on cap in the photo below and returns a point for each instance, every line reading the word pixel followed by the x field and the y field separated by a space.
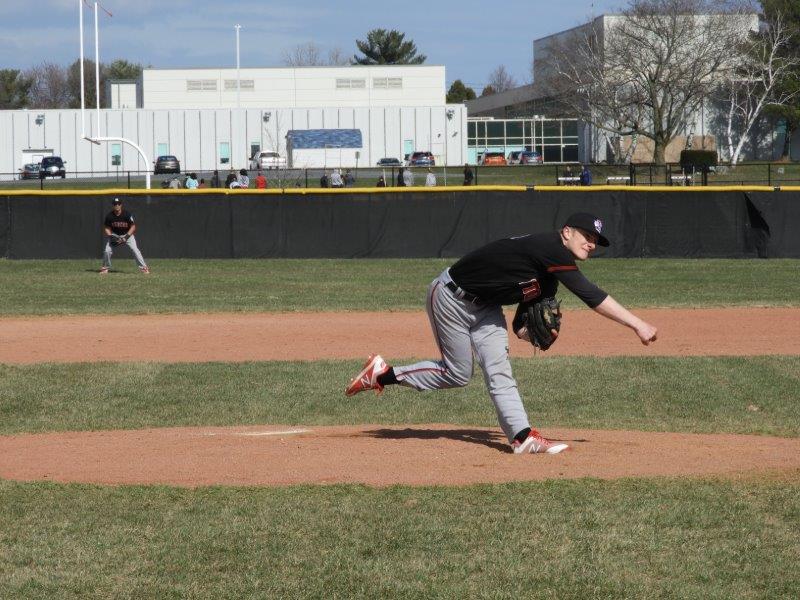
pixel 598 225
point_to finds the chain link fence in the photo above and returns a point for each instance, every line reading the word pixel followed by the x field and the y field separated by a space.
pixel 769 174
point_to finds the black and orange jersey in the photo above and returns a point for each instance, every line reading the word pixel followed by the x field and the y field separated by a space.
pixel 523 269
pixel 119 224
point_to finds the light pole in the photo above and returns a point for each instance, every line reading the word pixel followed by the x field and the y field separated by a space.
pixel 97 139
pixel 238 73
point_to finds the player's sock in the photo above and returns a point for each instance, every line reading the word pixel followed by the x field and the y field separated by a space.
pixel 522 435
pixel 387 378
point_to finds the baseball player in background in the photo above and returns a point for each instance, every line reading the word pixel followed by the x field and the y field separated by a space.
pixel 465 310
pixel 119 228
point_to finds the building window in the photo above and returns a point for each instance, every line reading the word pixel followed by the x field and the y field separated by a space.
pixel 201 85
pixel 387 83
pixel 351 84
pixel 224 153
pixel 246 84
pixel 555 139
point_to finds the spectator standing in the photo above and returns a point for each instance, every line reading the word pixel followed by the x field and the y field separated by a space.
pixel 468 175
pixel 408 178
pixel 191 181
pixel 175 183
pixel 324 181
pixel 215 183
pixel 244 180
pixel 430 179
pixel 349 180
pixel 261 181
pixel 336 179
pixel 401 177
pixel 586 176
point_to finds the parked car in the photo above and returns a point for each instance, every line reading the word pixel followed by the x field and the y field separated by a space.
pixel 52 166
pixel 390 162
pixel 29 171
pixel 166 164
pixel 530 157
pixel 513 157
pixel 267 159
pixel 493 159
pixel 421 159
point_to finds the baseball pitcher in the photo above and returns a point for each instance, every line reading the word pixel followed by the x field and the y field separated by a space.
pixel 465 310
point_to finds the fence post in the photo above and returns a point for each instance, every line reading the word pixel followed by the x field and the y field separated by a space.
pixel 769 174
pixel 129 180
pixel 631 174
pixel 306 174
pixel 477 168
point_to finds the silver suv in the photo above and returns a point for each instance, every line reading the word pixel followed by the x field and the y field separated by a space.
pixel 267 159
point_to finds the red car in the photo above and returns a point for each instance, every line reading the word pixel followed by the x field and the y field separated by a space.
pixel 493 159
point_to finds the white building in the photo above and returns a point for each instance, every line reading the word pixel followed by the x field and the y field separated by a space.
pixel 207 139
pixel 210 119
pixel 294 87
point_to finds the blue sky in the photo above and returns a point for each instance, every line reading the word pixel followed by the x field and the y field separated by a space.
pixel 470 38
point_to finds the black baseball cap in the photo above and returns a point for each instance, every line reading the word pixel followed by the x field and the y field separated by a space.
pixel 117 201
pixel 588 222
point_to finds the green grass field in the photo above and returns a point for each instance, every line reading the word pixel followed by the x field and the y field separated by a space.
pixel 633 538
pixel 74 287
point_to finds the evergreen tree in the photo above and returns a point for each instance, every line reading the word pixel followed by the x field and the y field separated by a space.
pixel 384 47
pixel 459 93
pixel 789 12
pixel 14 89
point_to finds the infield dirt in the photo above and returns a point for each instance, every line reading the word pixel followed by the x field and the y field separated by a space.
pixel 433 454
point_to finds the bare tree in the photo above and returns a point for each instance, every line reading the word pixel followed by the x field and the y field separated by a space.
pixel 756 82
pixel 311 55
pixel 50 87
pixel 501 80
pixel 645 72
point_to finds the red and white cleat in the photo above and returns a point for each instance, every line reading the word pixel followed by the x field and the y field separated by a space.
pixel 536 444
pixel 367 379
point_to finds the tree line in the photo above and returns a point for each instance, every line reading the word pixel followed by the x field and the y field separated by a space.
pixel 49 85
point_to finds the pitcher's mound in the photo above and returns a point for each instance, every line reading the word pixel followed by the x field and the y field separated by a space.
pixel 375 455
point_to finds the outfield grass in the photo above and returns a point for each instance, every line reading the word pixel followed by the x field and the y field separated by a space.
pixel 181 286
pixel 651 394
pixel 562 539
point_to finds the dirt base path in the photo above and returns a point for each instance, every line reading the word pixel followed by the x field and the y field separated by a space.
pixel 377 456
pixel 314 336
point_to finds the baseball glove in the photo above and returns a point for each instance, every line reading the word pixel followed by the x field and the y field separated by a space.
pixel 543 321
pixel 117 240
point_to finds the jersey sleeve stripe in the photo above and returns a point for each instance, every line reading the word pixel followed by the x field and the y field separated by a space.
pixel 559 268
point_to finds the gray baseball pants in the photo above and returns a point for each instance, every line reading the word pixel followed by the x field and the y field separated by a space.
pixel 460 327
pixel 131 243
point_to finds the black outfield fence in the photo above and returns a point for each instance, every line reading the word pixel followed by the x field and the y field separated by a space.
pixel 411 223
